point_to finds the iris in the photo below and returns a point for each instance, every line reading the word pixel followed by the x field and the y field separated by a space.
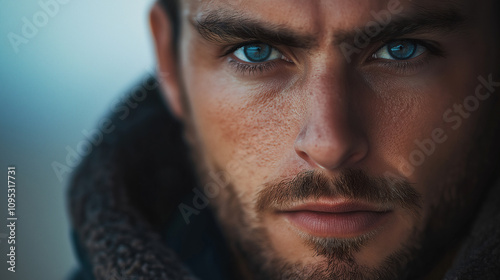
pixel 402 50
pixel 257 52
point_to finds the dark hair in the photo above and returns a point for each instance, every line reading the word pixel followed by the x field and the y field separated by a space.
pixel 172 9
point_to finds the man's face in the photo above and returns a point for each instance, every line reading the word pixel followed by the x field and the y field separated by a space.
pixel 348 132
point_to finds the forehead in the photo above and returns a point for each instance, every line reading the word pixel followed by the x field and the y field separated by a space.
pixel 313 16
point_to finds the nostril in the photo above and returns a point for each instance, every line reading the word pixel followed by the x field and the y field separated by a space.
pixel 306 158
pixel 302 155
pixel 313 163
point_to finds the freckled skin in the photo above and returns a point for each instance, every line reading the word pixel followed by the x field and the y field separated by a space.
pixel 321 112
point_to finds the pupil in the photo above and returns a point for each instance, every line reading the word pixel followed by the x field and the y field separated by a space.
pixel 402 49
pixel 257 52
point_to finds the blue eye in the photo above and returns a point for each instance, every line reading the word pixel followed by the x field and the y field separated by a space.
pixel 400 50
pixel 257 52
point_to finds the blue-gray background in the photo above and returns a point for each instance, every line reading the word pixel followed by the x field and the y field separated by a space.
pixel 59 83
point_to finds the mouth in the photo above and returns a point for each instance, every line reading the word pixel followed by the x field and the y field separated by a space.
pixel 336 218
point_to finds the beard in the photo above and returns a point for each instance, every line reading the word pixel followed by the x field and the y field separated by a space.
pixel 252 246
pixel 251 243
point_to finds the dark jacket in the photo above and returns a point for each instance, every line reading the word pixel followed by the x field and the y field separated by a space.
pixel 124 199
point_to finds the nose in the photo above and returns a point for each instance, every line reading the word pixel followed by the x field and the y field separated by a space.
pixel 332 135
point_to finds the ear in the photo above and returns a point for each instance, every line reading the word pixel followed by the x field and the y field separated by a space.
pixel 161 28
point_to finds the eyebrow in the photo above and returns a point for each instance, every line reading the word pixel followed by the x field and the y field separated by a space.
pixel 423 21
pixel 225 27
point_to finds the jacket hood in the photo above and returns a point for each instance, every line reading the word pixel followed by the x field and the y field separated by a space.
pixel 124 193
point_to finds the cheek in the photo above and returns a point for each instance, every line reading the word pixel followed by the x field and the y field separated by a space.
pixel 246 130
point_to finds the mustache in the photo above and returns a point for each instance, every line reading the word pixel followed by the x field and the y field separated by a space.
pixel 350 184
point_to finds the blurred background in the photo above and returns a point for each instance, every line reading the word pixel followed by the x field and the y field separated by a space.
pixel 63 64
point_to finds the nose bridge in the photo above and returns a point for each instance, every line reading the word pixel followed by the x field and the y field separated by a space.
pixel 328 90
pixel 331 136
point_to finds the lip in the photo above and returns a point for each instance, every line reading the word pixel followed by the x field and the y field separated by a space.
pixel 340 219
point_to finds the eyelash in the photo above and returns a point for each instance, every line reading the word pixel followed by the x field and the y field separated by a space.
pixel 403 67
pixel 247 68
